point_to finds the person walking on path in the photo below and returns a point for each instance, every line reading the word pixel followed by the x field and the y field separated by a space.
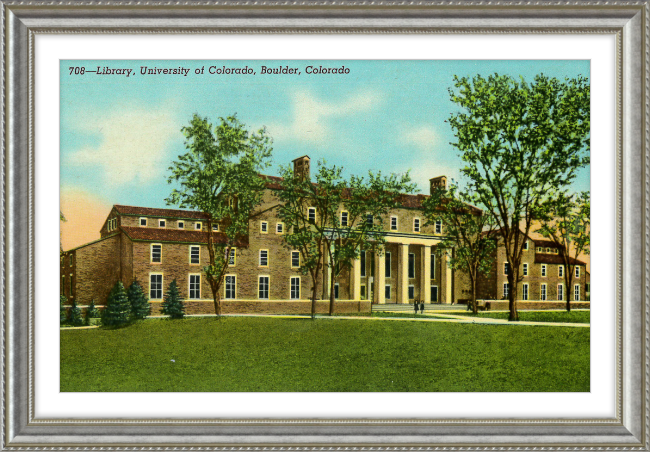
pixel 415 306
pixel 422 307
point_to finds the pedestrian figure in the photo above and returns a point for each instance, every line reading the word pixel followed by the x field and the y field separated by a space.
pixel 422 307
pixel 415 306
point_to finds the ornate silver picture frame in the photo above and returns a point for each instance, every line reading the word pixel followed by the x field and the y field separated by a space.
pixel 628 21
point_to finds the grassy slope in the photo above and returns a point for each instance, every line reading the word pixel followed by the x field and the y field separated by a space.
pixel 264 354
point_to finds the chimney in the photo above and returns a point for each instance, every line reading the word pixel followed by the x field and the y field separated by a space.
pixel 437 182
pixel 301 167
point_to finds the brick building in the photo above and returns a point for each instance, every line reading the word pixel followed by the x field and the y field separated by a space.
pixel 156 246
pixel 542 270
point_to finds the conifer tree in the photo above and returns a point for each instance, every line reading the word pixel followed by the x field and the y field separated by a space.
pixel 117 308
pixel 91 312
pixel 140 307
pixel 173 305
pixel 64 317
pixel 74 315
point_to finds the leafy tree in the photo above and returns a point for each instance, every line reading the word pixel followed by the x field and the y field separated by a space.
pixel 74 315
pixel 566 221
pixel 62 302
pixel 91 312
pixel 118 308
pixel 219 175
pixel 140 307
pixel 326 240
pixel 468 232
pixel 173 305
pixel 522 143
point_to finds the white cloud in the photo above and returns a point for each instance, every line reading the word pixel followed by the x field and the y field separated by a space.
pixel 422 137
pixel 311 116
pixel 133 143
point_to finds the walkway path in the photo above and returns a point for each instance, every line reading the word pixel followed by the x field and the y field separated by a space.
pixel 443 318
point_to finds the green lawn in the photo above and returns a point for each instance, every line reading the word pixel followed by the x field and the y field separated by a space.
pixel 538 316
pixel 267 354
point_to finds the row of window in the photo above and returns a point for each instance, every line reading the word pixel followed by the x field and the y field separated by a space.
pixel 544 272
pixel 180 224
pixel 112 224
pixel 264 227
pixel 388 265
pixel 263 288
pixel 345 218
pixel 543 292
pixel 195 256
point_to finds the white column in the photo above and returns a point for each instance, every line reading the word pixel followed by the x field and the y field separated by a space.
pixel 380 278
pixel 425 279
pixel 403 274
pixel 448 293
pixel 355 283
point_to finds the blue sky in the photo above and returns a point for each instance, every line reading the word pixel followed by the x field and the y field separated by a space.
pixel 119 134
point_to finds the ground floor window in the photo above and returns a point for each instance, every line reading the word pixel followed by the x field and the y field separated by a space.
pixel 387 292
pixel 560 292
pixel 576 292
pixel 524 294
pixel 542 294
pixel 195 287
pixel 434 294
pixel 336 290
pixel 263 288
pixel 231 287
pixel 363 292
pixel 411 292
pixel 155 286
pixel 295 287
pixel 506 288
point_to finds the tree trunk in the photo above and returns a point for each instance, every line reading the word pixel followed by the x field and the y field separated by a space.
pixel 313 301
pixel 569 279
pixel 512 297
pixel 473 296
pixel 215 297
pixel 332 279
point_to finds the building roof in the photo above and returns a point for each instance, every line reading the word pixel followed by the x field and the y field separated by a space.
pixel 166 213
pixel 555 259
pixel 176 235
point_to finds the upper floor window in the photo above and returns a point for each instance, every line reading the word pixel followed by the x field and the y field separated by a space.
pixel 311 214
pixel 540 249
pixel 295 259
pixel 232 260
pixel 560 271
pixel 433 266
pixel 577 271
pixel 279 228
pixel 156 252
pixel 525 245
pixel 543 269
pixel 525 269
pixel 416 225
pixel 370 220
pixel 195 254
pixel 548 250
pixel 71 260
pixel 161 223
pixel 198 226
pixel 180 224
pixel 411 265
pixel 393 223
pixel 438 227
pixel 362 258
pixel 264 258
pixel 344 218
pixel 215 227
pixel 506 268
pixel 143 221
pixel 264 227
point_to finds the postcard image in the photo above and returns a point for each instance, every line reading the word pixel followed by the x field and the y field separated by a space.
pixel 325 225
